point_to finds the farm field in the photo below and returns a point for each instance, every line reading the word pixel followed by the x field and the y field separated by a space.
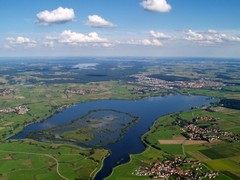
pixel 33 92
pixel 217 155
pixel 44 101
pixel 119 90
pixel 28 159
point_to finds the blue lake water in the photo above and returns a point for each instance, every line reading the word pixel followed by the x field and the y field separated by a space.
pixel 148 109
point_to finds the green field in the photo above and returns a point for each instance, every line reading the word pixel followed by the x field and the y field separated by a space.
pixel 229 119
pixel 29 159
pixel 44 101
pixel 41 88
pixel 161 130
pixel 150 155
pixel 220 151
pixel 213 155
pixel 80 134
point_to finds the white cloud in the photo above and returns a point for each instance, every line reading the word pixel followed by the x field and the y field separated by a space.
pixel 212 31
pixel 193 36
pixel 74 38
pixel 18 41
pixel 99 22
pixel 210 37
pixel 156 5
pixel 50 38
pixel 159 35
pixel 57 16
pixel 107 44
pixel 154 40
pixel 50 41
pixel 145 42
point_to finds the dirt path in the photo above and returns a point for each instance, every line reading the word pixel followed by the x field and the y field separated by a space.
pixel 183 150
pixel 39 154
pixel 185 142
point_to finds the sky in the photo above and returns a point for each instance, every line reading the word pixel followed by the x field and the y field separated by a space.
pixel 161 28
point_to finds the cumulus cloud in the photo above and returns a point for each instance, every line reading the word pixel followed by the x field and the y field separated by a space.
pixel 145 42
pixel 107 44
pixel 19 40
pixel 26 42
pixel 209 37
pixel 159 35
pixel 50 41
pixel 156 5
pixel 57 16
pixel 154 40
pixel 99 22
pixel 73 38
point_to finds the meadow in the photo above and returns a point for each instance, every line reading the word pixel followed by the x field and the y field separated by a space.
pixel 219 156
pixel 28 159
pixel 41 86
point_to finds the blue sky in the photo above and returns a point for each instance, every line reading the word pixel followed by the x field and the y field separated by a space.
pixel 164 28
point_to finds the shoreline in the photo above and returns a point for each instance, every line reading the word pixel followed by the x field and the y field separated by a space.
pixel 102 163
pixel 133 123
pixel 146 144
pixel 61 108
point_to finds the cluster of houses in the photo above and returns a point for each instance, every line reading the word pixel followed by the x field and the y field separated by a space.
pixel 205 118
pixel 193 132
pixel 145 90
pixel 20 110
pixel 153 84
pixel 6 92
pixel 79 91
pixel 178 169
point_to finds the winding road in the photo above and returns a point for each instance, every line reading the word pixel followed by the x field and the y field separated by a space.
pixel 39 154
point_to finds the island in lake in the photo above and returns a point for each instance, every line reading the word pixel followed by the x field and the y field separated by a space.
pixel 96 128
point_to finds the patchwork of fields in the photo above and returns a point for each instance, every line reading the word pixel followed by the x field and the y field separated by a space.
pixel 28 159
pixel 165 140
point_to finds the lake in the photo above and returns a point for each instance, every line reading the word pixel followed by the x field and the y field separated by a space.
pixel 148 110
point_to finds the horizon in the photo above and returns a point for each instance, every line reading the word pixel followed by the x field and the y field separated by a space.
pixel 143 57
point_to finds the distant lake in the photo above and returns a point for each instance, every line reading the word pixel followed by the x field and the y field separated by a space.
pixel 148 110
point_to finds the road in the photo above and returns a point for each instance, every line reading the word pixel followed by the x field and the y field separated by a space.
pixel 39 154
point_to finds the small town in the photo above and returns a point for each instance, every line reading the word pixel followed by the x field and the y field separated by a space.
pixel 79 91
pixel 154 84
pixel 145 90
pixel 6 92
pixel 193 132
pixel 205 118
pixel 175 169
pixel 20 110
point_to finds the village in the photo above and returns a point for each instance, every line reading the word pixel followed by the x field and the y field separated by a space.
pixel 178 169
pixel 194 132
pixel 187 168
pixel 154 84
pixel 6 92
pixel 20 110
pixel 79 91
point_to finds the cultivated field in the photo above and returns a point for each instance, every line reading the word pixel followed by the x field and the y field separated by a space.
pixel 28 159
pixel 164 140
